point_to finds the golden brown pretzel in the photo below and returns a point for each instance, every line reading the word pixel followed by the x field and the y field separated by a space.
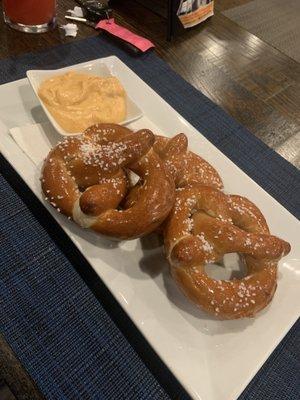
pixel 85 178
pixel 186 167
pixel 205 224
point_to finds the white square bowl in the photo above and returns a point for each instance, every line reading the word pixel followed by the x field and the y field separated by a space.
pixel 97 68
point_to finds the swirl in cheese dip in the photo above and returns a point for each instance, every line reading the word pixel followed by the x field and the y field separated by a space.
pixel 77 100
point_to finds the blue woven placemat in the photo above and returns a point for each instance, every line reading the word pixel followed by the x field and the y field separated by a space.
pixel 59 318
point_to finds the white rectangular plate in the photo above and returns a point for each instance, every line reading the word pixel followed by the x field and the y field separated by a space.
pixel 96 67
pixel 214 360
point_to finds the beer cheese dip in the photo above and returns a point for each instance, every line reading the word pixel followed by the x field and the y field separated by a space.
pixel 77 100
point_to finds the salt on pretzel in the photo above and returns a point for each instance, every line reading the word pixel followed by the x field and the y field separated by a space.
pixel 205 224
pixel 85 178
pixel 186 167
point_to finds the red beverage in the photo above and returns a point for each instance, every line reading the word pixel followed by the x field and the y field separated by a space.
pixel 29 13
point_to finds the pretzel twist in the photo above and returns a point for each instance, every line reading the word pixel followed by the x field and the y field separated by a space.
pixel 205 224
pixel 185 167
pixel 86 179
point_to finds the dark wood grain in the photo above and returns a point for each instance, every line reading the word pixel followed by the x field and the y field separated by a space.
pixel 18 383
pixel 5 392
pixel 222 5
pixel 287 100
pixel 253 82
pixel 234 68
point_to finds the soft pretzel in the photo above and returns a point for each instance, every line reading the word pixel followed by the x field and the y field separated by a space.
pixel 85 178
pixel 205 224
pixel 186 167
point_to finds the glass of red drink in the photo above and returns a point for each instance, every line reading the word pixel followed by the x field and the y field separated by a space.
pixel 33 16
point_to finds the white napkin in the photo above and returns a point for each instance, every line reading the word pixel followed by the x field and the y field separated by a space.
pixel 76 12
pixel 70 29
pixel 35 140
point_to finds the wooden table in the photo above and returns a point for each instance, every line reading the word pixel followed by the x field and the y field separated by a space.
pixel 253 82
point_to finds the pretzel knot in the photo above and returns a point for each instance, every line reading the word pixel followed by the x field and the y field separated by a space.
pixel 205 224
pixel 185 167
pixel 86 179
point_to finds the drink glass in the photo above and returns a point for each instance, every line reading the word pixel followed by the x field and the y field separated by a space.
pixel 32 16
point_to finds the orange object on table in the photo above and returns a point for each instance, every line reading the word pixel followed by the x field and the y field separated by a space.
pixel 29 12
